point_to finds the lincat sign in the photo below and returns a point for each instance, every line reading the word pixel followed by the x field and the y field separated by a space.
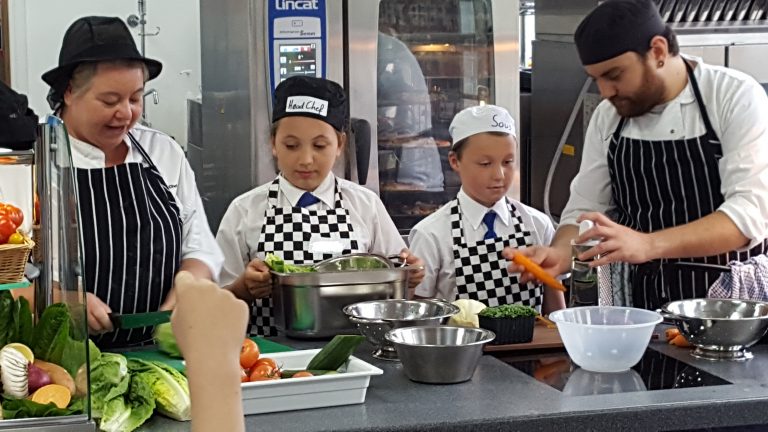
pixel 296 4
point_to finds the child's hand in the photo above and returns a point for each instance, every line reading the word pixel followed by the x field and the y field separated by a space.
pixel 257 279
pixel 225 322
pixel 416 274
pixel 552 260
pixel 209 324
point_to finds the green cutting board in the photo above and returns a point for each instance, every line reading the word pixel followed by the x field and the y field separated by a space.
pixel 265 346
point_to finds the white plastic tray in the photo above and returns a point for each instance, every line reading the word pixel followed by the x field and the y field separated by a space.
pixel 311 392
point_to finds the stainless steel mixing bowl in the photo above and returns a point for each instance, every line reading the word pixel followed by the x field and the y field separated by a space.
pixel 720 325
pixel 375 318
pixel 439 354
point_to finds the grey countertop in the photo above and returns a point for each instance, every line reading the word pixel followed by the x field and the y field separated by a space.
pixel 502 398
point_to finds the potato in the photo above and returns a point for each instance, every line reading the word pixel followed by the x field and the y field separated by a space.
pixel 81 381
pixel 58 375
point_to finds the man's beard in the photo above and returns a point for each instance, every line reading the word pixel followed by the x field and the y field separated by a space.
pixel 650 94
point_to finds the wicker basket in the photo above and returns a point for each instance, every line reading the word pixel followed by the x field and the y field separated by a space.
pixel 13 259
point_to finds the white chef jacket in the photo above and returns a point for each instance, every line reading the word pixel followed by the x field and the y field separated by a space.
pixel 197 240
pixel 738 110
pixel 432 239
pixel 241 225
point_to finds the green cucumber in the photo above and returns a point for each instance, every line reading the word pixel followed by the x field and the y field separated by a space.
pixel 335 353
pixel 291 372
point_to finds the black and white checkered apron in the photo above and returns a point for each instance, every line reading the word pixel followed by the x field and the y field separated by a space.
pixel 481 270
pixel 130 232
pixel 662 184
pixel 287 232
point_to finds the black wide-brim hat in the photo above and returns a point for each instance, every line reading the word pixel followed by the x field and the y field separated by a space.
pixel 94 39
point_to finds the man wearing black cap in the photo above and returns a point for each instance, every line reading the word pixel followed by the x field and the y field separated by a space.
pixel 677 155
pixel 141 216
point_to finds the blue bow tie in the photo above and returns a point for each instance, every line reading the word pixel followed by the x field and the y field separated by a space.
pixel 488 220
pixel 307 199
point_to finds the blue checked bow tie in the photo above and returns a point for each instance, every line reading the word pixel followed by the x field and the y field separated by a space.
pixel 488 220
pixel 307 199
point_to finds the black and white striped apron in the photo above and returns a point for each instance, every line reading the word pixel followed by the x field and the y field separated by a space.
pixel 131 237
pixel 481 270
pixel 662 184
pixel 287 232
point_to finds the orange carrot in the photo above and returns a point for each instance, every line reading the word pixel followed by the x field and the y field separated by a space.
pixel 680 341
pixel 671 333
pixel 537 271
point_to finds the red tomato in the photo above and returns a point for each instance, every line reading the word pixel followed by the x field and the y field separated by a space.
pixel 262 372
pixel 15 214
pixel 302 374
pixel 249 353
pixel 243 376
pixel 267 361
pixel 6 229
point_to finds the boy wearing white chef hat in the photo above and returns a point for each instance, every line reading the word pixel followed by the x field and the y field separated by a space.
pixel 461 243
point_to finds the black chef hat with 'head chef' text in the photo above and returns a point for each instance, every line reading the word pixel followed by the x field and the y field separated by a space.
pixel 317 98
pixel 616 27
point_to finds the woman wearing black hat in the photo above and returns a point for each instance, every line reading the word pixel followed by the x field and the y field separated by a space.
pixel 306 214
pixel 141 215
pixel 677 154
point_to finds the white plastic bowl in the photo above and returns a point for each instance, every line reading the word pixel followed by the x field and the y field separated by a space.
pixel 605 338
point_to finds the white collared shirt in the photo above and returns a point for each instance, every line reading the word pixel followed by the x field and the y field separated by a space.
pixel 197 239
pixel 240 228
pixel 432 239
pixel 737 107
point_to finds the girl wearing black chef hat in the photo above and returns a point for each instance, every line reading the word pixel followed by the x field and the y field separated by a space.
pixel 141 216
pixel 306 214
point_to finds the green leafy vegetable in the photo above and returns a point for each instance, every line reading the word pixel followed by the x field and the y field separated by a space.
pixel 24 408
pixel 169 386
pixel 22 322
pixel 166 340
pixel 52 333
pixel 6 319
pixel 128 412
pixel 508 311
pixel 277 264
pixel 109 380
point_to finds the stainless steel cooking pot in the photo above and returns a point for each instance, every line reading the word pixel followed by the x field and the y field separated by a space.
pixel 309 305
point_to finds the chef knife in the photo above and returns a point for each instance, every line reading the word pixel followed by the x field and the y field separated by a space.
pixel 139 320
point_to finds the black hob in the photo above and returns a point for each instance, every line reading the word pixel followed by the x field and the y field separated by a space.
pixel 655 371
